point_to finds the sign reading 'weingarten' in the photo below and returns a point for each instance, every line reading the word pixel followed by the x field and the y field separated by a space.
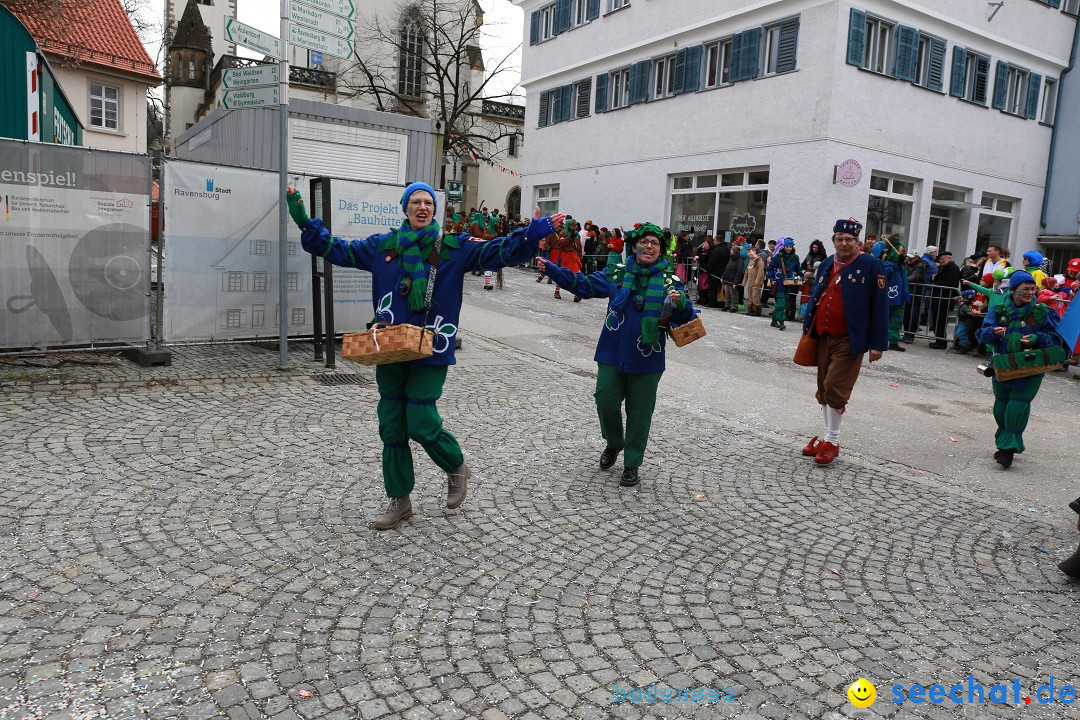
pixel 250 76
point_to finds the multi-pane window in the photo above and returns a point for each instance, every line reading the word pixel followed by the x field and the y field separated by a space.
pixel 512 150
pixel 620 88
pixel 191 69
pixel 1016 90
pixel 547 23
pixel 971 73
pixel 259 281
pixel 616 4
pixel 104 106
pixel 995 222
pixel 232 318
pixel 772 48
pixel 235 282
pixel 410 59
pixel 291 248
pixel 293 280
pixel 580 12
pixel 258 315
pixel 879 38
pixel 718 63
pixel 547 199
pixel 260 247
pixel 924 60
pixel 1071 6
pixel 299 315
pixel 1049 101
pixel 665 76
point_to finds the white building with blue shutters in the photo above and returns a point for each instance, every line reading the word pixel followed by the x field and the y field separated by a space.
pixel 931 118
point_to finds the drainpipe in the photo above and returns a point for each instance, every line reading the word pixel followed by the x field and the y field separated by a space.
pixel 1054 131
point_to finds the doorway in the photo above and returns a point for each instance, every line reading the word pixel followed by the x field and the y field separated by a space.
pixel 937 232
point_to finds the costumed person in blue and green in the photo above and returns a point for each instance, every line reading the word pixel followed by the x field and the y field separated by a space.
pixel 785 276
pixel 643 294
pixel 401 263
pixel 1018 324
pixel 896 288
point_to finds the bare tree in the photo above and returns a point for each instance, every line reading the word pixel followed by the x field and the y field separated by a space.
pixel 425 59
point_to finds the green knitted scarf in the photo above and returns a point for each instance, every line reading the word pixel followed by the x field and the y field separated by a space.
pixel 413 247
pixel 1014 320
pixel 648 283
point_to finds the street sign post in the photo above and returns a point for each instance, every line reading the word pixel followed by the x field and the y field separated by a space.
pixel 321 41
pixel 250 97
pixel 318 20
pixel 249 37
pixel 250 76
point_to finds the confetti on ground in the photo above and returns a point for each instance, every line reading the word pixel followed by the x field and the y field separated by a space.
pixel 893 385
pixel 304 693
pixel 952 439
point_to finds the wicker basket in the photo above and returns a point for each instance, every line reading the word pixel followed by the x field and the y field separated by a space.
pixel 687 332
pixel 385 343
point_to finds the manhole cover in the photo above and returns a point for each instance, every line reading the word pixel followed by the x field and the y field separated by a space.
pixel 328 379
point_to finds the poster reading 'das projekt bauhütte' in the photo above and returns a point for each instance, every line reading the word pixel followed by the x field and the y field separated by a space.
pixel 74 243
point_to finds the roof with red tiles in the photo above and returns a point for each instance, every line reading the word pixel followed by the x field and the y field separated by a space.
pixel 97 33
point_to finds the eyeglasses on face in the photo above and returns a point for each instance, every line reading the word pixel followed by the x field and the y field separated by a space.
pixel 647 243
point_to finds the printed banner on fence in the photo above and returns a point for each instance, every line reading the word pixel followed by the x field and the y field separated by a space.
pixel 74 244
pixel 221 253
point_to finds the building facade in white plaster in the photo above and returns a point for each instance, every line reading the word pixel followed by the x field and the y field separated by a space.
pixel 773 118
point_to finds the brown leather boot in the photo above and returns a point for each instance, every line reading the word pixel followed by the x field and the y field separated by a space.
pixel 400 508
pixel 457 485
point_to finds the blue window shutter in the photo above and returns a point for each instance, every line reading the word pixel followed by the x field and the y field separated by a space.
pixel 592 10
pixel 639 87
pixel 680 71
pixel 937 65
pixel 568 102
pixel 563 10
pixel 856 38
pixel 601 92
pixel 1001 81
pixel 734 74
pixel 959 72
pixel 907 53
pixel 1034 87
pixel 534 28
pixel 788 44
pixel 982 77
pixel 692 70
pixel 750 55
pixel 545 108
pixel 1055 3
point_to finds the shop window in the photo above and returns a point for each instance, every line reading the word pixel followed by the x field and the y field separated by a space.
pixel 995 222
pixel 683 183
pixel 758 177
pixel 731 179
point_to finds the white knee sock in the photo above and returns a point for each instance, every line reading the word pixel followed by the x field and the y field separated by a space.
pixel 833 418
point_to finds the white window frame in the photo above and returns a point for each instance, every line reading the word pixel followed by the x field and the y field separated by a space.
pixel 922 64
pixel 1071 7
pixel 880 41
pixel 664 76
pixel 770 36
pixel 105 102
pixel 580 13
pixel 1016 85
pixel 575 97
pixel 614 5
pixel 620 88
pixel 1049 100
pixel 547 23
pixel 547 198
pixel 234 318
pixel 718 63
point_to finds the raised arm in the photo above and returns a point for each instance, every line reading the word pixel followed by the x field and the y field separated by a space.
pixel 317 240
pixel 596 285
pixel 518 247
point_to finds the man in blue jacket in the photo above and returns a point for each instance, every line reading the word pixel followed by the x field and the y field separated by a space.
pixel 848 315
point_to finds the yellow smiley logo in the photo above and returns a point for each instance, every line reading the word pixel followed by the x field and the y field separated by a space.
pixel 862 693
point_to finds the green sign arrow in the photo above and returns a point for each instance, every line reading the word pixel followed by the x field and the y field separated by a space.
pixel 249 37
pixel 344 8
pixel 320 41
pixel 319 20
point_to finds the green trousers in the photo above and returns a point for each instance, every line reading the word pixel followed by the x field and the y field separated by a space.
pixel 407 396
pixel 1012 408
pixel 780 309
pixel 896 323
pixel 638 390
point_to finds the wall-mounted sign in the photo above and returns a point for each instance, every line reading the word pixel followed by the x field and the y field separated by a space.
pixel 743 224
pixel 848 173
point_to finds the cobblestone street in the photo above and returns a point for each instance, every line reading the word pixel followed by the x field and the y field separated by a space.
pixel 194 542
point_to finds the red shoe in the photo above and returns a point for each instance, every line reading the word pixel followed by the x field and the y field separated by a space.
pixel 811 447
pixel 826 453
pixel 557 295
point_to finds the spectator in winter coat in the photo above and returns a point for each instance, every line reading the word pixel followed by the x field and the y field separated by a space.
pixel 732 276
pixel 916 276
pixel 945 290
pixel 753 279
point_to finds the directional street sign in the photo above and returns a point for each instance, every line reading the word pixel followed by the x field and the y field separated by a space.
pixel 250 97
pixel 250 76
pixel 321 41
pixel 249 37
pixel 344 8
pixel 319 20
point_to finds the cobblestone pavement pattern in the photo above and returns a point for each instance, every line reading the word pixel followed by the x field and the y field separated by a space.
pixel 193 542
